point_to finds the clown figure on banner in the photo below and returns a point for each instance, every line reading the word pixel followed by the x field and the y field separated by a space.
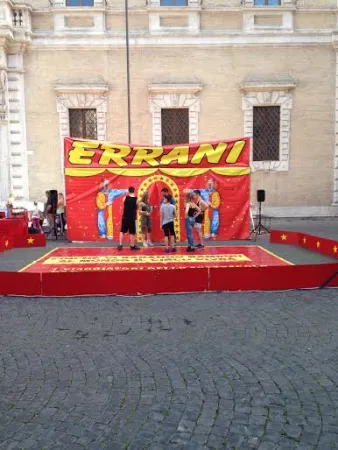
pixel 211 215
pixel 104 203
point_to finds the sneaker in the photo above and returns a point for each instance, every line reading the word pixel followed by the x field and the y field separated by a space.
pixel 119 247
pixel 199 246
pixel 150 244
pixel 166 250
pixel 145 244
pixel 190 249
pixel 134 248
pixel 174 250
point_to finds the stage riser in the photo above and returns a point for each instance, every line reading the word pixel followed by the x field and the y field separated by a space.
pixel 168 281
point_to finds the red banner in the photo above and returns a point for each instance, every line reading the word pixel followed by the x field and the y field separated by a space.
pixel 98 175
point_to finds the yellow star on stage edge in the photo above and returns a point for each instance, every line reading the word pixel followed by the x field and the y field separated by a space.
pixel 284 237
pixel 304 240
pixel 6 243
pixel 30 241
pixel 318 244
pixel 335 248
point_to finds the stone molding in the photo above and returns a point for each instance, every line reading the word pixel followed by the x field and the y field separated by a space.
pixel 174 96
pixel 284 3
pixel 81 96
pixel 191 4
pixel 335 163
pixel 270 93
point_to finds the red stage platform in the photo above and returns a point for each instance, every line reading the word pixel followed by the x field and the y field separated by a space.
pixel 105 271
pixel 101 259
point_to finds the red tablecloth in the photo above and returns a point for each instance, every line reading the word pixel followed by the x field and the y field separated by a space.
pixel 14 228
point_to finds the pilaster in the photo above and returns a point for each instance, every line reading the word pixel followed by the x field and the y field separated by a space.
pixel 17 127
pixel 335 166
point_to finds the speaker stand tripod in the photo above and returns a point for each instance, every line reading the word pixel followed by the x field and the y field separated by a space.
pixel 259 228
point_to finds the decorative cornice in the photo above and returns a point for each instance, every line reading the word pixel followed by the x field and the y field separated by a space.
pixel 178 88
pixel 81 88
pixel 266 85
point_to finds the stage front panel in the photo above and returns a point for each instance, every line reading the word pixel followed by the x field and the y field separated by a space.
pixel 102 259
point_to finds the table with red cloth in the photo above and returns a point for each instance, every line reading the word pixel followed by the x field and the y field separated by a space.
pixel 14 228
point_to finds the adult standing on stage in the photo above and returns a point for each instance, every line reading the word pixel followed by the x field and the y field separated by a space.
pixel 145 210
pixel 165 192
pixel 130 206
pixel 200 217
pixel 191 210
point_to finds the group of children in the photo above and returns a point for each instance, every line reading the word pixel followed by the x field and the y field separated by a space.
pixel 194 210
pixel 37 217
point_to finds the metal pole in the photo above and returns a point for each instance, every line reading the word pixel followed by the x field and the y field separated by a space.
pixel 128 69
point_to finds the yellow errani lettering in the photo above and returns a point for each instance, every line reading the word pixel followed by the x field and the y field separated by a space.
pixel 235 152
pixel 79 153
pixel 179 154
pixel 213 155
pixel 148 155
pixel 114 153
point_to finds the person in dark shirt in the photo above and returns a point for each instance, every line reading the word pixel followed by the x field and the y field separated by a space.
pixel 165 193
pixel 128 225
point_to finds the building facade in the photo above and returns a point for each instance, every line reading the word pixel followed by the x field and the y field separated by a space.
pixel 199 70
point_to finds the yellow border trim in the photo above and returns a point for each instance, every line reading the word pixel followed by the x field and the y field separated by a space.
pixel 143 171
pixel 273 254
pixel 39 259
pixel 165 268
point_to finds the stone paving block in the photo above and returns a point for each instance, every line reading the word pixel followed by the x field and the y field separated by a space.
pixel 237 340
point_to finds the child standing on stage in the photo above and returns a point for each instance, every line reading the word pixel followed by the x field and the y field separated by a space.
pixel 129 219
pixel 168 212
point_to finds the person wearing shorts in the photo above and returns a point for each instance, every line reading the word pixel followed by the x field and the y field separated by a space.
pixel 145 210
pixel 168 212
pixel 129 219
pixel 200 217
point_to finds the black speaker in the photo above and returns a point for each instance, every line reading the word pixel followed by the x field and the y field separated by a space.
pixel 53 201
pixel 261 195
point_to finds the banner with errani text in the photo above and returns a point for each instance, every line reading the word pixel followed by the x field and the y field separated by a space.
pixel 98 175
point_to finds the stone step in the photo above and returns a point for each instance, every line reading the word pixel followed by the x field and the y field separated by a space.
pixel 15 132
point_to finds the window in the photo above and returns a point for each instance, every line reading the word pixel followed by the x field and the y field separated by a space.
pixel 174 2
pixel 175 126
pixel 83 123
pixel 266 126
pixel 80 2
pixel 267 2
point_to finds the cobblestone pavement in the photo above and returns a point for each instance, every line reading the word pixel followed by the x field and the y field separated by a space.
pixel 216 371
